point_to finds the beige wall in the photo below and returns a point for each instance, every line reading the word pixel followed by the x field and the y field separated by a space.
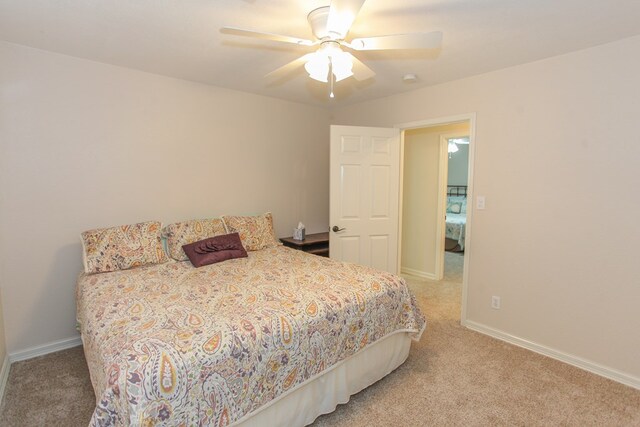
pixel 420 198
pixel 557 149
pixel 84 145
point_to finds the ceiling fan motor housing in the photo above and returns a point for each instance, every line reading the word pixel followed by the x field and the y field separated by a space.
pixel 318 21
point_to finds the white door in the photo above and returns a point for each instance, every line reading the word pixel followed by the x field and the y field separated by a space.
pixel 364 200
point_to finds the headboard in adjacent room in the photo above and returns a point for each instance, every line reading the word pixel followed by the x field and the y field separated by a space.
pixel 456 191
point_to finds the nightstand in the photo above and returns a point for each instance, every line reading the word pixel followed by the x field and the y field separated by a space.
pixel 317 244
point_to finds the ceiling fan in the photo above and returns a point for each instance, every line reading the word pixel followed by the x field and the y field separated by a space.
pixel 330 26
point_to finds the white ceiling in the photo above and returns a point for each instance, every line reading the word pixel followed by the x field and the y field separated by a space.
pixel 181 38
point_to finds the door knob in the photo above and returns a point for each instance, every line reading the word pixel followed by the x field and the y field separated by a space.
pixel 335 229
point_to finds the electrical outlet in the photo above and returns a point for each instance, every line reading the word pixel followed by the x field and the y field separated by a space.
pixel 495 302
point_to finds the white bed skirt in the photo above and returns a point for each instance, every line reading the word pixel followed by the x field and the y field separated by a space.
pixel 321 394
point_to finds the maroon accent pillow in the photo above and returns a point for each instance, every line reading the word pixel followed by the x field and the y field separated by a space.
pixel 215 249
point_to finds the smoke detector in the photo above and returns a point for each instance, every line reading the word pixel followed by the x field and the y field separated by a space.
pixel 410 78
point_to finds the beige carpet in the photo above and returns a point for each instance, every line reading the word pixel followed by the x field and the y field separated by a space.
pixel 453 377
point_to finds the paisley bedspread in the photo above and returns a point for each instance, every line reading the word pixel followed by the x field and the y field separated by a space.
pixel 174 345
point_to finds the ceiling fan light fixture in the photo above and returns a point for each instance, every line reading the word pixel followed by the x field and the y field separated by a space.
pixel 341 66
pixel 318 67
pixel 329 57
pixel 342 74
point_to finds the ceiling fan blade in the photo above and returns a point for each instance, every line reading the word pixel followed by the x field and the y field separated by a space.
pixel 342 13
pixel 360 71
pixel 266 36
pixel 288 68
pixel 431 40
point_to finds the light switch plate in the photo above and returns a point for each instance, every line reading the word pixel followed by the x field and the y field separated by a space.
pixel 480 202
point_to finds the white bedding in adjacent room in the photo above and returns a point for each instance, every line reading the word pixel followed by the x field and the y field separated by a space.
pixel 455 227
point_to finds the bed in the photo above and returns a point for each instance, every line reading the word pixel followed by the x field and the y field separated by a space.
pixel 456 217
pixel 276 338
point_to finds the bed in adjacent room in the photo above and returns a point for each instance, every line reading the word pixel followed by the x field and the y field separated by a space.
pixel 456 218
pixel 272 337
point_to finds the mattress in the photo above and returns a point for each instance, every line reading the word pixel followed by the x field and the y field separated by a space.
pixel 224 344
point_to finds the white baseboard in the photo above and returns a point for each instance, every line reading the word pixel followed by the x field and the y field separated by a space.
pixel 417 273
pixel 30 353
pixel 4 376
pixel 570 359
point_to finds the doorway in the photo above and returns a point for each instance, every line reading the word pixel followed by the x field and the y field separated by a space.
pixel 424 172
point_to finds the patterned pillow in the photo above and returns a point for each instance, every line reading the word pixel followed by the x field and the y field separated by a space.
pixel 182 233
pixel 123 247
pixel 256 232
pixel 454 207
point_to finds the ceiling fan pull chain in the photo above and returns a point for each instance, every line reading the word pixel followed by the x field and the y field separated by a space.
pixel 331 78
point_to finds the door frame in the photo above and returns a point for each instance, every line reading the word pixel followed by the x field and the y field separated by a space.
pixel 440 121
